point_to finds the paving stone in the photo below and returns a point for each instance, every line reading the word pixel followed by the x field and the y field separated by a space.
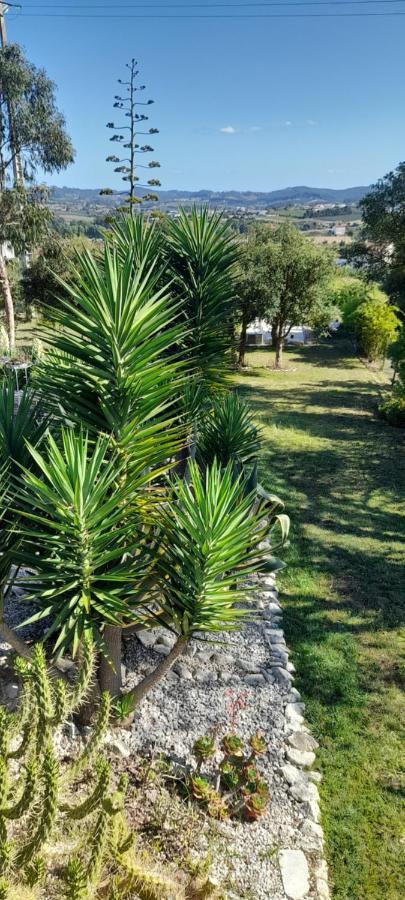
pixel 304 758
pixel 294 873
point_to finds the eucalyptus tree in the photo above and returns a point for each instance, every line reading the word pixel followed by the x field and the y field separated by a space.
pixel 127 164
pixel 33 131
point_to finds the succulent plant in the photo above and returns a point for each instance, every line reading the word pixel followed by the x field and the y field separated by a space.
pixel 229 776
pixel 199 788
pixel 204 747
pixel 250 778
pixel 232 745
pixel 257 744
pixel 255 806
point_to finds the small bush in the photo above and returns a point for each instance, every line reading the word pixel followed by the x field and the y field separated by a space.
pixel 393 409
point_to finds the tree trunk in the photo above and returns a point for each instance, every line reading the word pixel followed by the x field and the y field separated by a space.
pixel 242 344
pixel 273 336
pixel 109 674
pixel 8 303
pixel 139 692
pixel 279 352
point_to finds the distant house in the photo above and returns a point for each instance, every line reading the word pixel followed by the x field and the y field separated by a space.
pixel 339 230
pixel 259 334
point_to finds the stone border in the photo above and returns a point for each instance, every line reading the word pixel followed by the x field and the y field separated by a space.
pixel 298 869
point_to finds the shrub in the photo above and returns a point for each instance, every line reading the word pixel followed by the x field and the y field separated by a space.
pixel 393 409
pixel 376 324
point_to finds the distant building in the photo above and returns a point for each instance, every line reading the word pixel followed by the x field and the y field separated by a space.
pixel 339 230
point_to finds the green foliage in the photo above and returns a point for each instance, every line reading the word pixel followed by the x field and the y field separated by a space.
pixel 20 422
pixel 38 129
pixel 52 262
pixel 24 219
pixel 39 800
pixel 210 536
pixel 384 224
pixel 375 324
pixel 108 364
pixel 201 258
pixel 366 311
pixel 76 536
pixel 228 433
pixel 234 787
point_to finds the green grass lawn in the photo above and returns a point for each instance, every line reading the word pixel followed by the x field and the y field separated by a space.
pixel 341 472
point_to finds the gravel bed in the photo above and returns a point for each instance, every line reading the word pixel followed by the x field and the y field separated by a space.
pixel 238 684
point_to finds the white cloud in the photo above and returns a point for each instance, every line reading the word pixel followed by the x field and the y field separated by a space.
pixel 311 122
pixel 287 123
pixel 228 129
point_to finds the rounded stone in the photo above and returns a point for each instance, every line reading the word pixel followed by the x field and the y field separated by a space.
pixel 294 873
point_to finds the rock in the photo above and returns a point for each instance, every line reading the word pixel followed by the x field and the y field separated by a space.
pixel 303 758
pixel 182 670
pixel 281 655
pixel 294 696
pixel 11 691
pixel 301 741
pixel 114 745
pixel 314 833
pixel 147 638
pixel 168 639
pixel 206 677
pixel 312 808
pixel 255 680
pixel 294 873
pixel 223 659
pixel 268 580
pixel 293 713
pixel 291 774
pixel 162 649
pixel 282 676
pixel 316 777
pixel 248 665
pixel 172 678
pixel 304 791
pixel 274 607
pixel 291 667
pixel 276 635
pixel 321 881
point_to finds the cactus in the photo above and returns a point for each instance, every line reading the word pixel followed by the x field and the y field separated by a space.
pixel 76 881
pixel 36 798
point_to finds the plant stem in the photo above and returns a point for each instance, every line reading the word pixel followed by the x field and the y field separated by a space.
pixel 147 684
pixel 109 675
pixel 5 290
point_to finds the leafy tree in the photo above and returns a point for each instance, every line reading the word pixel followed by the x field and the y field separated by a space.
pixel 127 166
pixel 53 261
pixel 297 272
pixel 384 220
pixel 254 296
pixel 32 131
pixel 375 323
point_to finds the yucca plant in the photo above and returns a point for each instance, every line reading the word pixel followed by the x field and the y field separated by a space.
pixel 20 422
pixel 201 259
pixel 228 433
pixel 82 538
pixel 210 536
pixel 114 368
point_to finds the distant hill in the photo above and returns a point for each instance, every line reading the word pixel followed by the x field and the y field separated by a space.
pixel 224 199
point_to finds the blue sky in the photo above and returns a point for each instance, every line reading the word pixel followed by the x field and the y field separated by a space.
pixel 246 104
